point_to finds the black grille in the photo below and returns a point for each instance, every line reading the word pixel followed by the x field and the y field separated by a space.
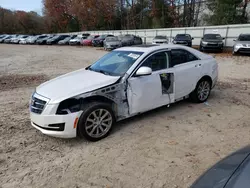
pixel 246 50
pixel 37 105
pixel 211 44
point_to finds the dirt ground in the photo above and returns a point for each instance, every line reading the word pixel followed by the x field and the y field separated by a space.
pixel 164 148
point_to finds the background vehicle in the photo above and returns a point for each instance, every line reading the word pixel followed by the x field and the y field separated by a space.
pixel 5 37
pixel 183 39
pixel 23 39
pixel 76 41
pixel 123 83
pixel 99 40
pixel 33 39
pixel 112 43
pixel 129 40
pixel 85 35
pixel 56 39
pixel 66 40
pixel 231 172
pixel 8 39
pixel 242 44
pixel 212 42
pixel 159 39
pixel 16 40
pixel 44 39
pixel 88 40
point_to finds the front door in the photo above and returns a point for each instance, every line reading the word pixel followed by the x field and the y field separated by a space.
pixel 148 92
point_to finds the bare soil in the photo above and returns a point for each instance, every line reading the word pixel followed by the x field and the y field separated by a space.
pixel 164 148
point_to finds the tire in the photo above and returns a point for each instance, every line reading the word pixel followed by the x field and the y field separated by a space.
pixel 201 48
pixel 196 95
pixel 102 123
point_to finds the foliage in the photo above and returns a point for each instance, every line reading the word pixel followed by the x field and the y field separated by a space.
pixel 79 15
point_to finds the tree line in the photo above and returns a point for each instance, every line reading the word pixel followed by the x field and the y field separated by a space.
pixel 80 15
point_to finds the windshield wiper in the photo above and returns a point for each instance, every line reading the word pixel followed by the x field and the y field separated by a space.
pixel 103 72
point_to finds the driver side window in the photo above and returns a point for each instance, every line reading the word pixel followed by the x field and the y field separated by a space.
pixel 157 61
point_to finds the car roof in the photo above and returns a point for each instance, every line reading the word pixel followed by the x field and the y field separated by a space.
pixel 148 48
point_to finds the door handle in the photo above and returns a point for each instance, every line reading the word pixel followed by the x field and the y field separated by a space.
pixel 197 65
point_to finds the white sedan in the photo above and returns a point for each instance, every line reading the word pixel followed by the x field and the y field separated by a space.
pixel 123 83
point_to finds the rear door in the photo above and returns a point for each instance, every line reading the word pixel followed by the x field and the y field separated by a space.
pixel 187 71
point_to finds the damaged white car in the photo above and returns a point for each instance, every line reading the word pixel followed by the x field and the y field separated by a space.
pixel 123 83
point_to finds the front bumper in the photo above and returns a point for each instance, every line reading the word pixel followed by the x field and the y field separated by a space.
pixel 212 46
pixel 244 50
pixel 46 124
pixel 52 124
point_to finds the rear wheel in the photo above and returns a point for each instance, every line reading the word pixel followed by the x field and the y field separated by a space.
pixel 96 121
pixel 202 91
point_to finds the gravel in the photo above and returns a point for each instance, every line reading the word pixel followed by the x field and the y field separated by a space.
pixel 166 147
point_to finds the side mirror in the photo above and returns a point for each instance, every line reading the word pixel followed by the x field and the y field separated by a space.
pixel 202 38
pixel 234 40
pixel 144 71
pixel 192 38
pixel 223 38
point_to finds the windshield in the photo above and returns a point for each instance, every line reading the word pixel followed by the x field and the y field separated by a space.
pixel 90 37
pixel 183 37
pixel 160 37
pixel 212 36
pixel 244 38
pixel 112 39
pixel 116 63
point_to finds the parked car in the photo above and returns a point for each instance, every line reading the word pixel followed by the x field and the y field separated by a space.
pixel 212 42
pixel 129 40
pixel 76 41
pixel 8 39
pixel 123 83
pixel 99 40
pixel 242 44
pixel 44 40
pixel 23 40
pixel 183 39
pixel 33 40
pixel 85 35
pixel 111 43
pixel 16 40
pixel 56 39
pixel 88 40
pixel 66 40
pixel 5 37
pixel 231 172
pixel 160 39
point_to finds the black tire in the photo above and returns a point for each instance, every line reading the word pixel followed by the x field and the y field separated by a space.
pixel 88 109
pixel 201 48
pixel 194 96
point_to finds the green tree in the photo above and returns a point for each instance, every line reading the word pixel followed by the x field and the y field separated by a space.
pixel 225 12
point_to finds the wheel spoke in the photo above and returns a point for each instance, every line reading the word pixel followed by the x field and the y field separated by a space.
pixel 100 112
pixel 105 115
pixel 101 128
pixel 105 124
pixel 92 131
pixel 95 115
pixel 89 126
pixel 105 120
pixel 90 120
pixel 97 130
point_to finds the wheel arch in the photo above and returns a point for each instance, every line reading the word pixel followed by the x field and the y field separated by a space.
pixel 206 77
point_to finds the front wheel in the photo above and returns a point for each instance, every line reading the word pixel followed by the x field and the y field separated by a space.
pixel 96 121
pixel 201 92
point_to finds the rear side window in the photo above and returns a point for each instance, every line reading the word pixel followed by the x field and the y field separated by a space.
pixel 179 56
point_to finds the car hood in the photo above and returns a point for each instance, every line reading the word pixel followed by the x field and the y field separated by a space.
pixel 242 42
pixel 224 171
pixel 160 40
pixel 113 43
pixel 212 40
pixel 74 40
pixel 73 84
